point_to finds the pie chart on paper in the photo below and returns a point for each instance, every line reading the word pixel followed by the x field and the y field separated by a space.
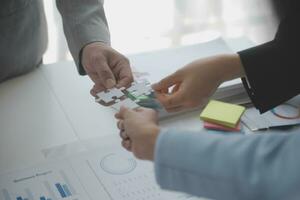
pixel 117 164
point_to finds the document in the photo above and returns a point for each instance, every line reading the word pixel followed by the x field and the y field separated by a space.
pixel 286 114
pixel 105 173
pixel 121 175
pixel 50 181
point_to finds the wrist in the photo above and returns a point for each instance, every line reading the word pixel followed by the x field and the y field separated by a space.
pixel 231 67
pixel 154 132
pixel 95 44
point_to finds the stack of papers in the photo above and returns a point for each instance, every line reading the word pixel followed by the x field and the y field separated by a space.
pixel 156 65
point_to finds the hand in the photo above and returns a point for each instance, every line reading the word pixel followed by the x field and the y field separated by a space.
pixel 106 67
pixel 139 130
pixel 193 85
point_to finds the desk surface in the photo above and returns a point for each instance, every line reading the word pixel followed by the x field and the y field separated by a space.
pixel 52 106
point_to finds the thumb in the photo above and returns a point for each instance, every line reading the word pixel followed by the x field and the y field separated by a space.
pixel 167 82
pixel 122 111
pixel 105 74
pixel 125 112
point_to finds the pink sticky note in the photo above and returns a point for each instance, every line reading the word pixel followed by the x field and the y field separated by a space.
pixel 218 127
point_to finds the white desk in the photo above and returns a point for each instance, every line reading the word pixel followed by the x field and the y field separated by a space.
pixel 49 106
pixel 52 106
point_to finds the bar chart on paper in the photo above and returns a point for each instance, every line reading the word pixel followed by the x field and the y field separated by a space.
pixel 55 182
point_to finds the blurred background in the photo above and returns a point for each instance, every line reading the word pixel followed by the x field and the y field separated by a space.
pixel 144 25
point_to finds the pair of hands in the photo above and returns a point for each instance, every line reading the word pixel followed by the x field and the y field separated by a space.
pixel 188 87
pixel 108 68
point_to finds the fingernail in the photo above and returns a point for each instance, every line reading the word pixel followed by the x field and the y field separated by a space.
pixel 110 83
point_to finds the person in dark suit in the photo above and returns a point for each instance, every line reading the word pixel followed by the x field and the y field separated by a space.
pixel 217 166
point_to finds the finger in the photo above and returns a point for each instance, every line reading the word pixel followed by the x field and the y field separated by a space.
pixel 93 91
pixel 94 77
pixel 124 82
pixel 105 75
pixel 118 116
pixel 123 135
pixel 163 91
pixel 171 100
pixel 122 112
pixel 167 82
pixel 126 144
pixel 96 89
pixel 121 115
pixel 125 76
pixel 120 125
pixel 140 109
pixel 175 109
pixel 128 113
pixel 175 88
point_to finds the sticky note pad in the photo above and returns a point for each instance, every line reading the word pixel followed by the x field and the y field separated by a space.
pixel 218 127
pixel 225 114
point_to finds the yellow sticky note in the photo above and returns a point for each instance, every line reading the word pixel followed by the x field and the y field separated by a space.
pixel 225 114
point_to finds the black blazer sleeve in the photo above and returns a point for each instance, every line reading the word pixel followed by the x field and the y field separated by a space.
pixel 273 69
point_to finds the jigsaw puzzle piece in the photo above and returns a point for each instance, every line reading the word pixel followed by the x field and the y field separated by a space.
pixel 140 88
pixel 110 95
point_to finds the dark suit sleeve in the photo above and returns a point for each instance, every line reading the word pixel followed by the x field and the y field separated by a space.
pixel 273 69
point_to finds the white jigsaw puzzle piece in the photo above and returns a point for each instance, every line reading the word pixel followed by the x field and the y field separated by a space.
pixel 128 103
pixel 110 95
pixel 141 88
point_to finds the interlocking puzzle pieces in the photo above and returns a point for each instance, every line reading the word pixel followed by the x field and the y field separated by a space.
pixel 138 94
pixel 142 93
pixel 115 98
